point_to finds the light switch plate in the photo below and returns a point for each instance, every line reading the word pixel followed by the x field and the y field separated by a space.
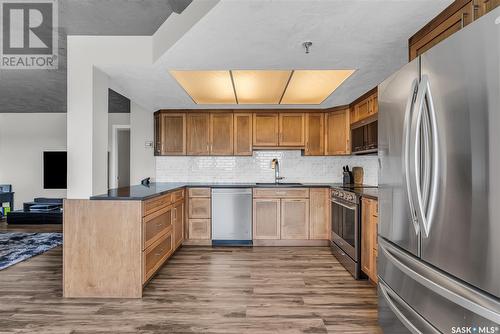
pixel 148 144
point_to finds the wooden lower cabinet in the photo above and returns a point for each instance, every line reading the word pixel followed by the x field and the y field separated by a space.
pixel 319 213
pixel 199 229
pixel 157 254
pixel 295 218
pixel 199 221
pixel 369 246
pixel 266 218
pixel 199 207
pixel 136 237
pixel 178 223
pixel 297 215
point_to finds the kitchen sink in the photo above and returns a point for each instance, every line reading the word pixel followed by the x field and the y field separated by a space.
pixel 291 184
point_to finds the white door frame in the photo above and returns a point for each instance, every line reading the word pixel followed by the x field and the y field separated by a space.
pixel 114 154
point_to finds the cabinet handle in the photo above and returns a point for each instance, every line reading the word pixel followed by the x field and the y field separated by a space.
pixel 159 224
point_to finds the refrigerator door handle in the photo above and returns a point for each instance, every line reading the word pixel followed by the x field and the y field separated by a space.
pixel 426 196
pixel 435 171
pixel 393 300
pixel 410 105
pixel 471 299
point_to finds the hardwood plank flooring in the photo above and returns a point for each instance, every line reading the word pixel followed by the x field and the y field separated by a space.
pixel 200 290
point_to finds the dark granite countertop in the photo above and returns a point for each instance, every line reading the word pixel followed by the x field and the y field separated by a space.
pixel 141 192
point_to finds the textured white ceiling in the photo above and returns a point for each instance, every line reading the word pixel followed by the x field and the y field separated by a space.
pixel 370 36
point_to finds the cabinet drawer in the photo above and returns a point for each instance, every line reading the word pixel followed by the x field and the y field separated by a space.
pixel 199 229
pixel 157 203
pixel 156 255
pixel 199 207
pixel 281 192
pixel 199 192
pixel 155 225
pixel 177 195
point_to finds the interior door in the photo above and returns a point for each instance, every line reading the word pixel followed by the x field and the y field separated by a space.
pixel 397 219
pixel 461 216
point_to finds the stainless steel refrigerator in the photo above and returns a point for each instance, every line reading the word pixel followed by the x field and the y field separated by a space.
pixel 439 151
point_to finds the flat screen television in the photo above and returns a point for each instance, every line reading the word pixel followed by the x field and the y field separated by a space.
pixel 55 169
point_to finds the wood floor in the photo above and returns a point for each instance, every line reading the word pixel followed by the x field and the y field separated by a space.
pixel 200 290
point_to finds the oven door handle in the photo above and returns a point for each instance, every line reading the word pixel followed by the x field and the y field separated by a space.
pixel 344 204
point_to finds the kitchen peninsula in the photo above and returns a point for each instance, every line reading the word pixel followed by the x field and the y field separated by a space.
pixel 114 243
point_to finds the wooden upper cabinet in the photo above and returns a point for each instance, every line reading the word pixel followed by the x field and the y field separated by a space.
pixel 315 134
pixel 243 134
pixel 291 129
pixel 221 134
pixel 294 218
pixel 170 134
pixel 338 133
pixel 456 16
pixel 364 107
pixel 265 129
pixel 198 133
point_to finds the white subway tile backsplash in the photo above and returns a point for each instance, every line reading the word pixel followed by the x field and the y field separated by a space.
pixel 294 167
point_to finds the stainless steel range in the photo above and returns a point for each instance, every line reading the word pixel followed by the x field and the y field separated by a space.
pixel 345 239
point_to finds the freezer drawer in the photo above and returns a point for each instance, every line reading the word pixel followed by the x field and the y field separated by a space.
pixel 232 214
pixel 444 302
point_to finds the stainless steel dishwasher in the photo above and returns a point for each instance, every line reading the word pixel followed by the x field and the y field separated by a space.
pixel 231 216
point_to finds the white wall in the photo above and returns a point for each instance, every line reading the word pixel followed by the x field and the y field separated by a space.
pixel 294 167
pixel 23 138
pixel 87 107
pixel 142 163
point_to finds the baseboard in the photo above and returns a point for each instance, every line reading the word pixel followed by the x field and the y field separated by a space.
pixel 297 243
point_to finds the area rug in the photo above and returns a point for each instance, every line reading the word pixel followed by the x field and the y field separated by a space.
pixel 17 246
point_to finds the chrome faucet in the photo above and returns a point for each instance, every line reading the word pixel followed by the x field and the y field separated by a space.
pixel 276 166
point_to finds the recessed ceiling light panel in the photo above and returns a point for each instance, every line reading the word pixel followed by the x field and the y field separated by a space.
pixel 313 86
pixel 260 87
pixel 207 87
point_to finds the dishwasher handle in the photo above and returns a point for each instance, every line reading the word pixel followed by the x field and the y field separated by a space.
pixel 231 191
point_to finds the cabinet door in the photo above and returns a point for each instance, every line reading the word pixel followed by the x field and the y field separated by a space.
pixel 221 134
pixel 338 133
pixel 198 131
pixel 266 218
pixel 448 27
pixel 291 129
pixel 362 109
pixel 178 213
pixel 157 134
pixel 199 229
pixel 319 213
pixel 199 207
pixel 265 129
pixel 373 104
pixel 243 134
pixel 172 134
pixel 315 134
pixel 294 219
pixel 366 237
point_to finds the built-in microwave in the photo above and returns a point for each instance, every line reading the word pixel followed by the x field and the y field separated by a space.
pixel 364 136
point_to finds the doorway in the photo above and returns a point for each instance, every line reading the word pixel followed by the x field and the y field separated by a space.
pixel 121 156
